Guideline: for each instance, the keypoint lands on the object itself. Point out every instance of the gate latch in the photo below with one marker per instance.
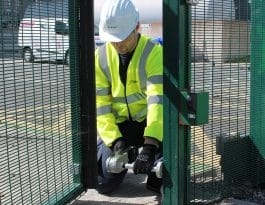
(194, 108)
(192, 2)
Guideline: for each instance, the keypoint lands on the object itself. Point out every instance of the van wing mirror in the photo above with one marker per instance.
(61, 28)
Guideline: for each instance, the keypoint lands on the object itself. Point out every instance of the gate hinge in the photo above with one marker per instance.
(192, 2)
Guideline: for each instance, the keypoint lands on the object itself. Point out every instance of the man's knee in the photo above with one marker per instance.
(107, 182)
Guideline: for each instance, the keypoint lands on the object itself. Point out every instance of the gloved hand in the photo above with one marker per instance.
(119, 146)
(145, 159)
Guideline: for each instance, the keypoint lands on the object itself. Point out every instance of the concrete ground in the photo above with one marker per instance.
(132, 192)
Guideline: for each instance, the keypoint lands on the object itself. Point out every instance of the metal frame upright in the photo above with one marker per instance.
(176, 81)
(81, 23)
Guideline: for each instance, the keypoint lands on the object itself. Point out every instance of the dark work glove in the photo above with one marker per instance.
(118, 146)
(145, 159)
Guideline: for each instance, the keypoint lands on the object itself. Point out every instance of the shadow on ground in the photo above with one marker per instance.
(131, 192)
(106, 203)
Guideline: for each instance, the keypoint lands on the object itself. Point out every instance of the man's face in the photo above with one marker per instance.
(127, 45)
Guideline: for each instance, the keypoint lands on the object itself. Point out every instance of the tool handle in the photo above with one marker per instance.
(130, 166)
(157, 168)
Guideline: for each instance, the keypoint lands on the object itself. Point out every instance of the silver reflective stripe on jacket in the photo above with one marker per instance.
(103, 110)
(142, 72)
(157, 79)
(103, 61)
(102, 91)
(155, 99)
(130, 98)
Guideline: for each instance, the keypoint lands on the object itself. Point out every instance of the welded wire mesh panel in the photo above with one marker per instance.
(37, 107)
(221, 48)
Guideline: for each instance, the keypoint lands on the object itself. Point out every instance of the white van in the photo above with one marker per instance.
(43, 32)
(45, 39)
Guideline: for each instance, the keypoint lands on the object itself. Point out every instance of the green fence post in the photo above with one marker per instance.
(74, 65)
(88, 95)
(176, 79)
(257, 117)
(258, 75)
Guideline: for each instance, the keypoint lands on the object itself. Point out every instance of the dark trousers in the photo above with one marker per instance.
(133, 136)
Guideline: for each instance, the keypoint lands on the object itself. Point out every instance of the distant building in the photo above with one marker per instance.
(222, 9)
(216, 25)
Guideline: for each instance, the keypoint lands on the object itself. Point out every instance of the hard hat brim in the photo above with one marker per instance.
(105, 36)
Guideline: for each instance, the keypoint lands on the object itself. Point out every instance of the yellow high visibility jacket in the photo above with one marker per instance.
(141, 97)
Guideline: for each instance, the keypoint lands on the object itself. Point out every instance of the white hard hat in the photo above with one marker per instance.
(117, 20)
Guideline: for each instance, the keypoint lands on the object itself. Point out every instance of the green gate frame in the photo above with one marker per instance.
(257, 114)
(82, 68)
(175, 80)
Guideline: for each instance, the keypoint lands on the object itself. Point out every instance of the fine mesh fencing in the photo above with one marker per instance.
(225, 156)
(39, 144)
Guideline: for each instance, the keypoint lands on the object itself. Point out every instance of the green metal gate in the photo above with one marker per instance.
(42, 137)
(208, 61)
(227, 154)
(216, 47)
(220, 65)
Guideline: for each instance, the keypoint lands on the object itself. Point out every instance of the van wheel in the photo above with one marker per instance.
(28, 55)
(67, 58)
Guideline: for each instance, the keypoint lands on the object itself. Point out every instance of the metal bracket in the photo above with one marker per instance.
(193, 2)
(194, 108)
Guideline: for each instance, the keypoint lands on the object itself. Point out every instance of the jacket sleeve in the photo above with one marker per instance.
(107, 128)
(154, 69)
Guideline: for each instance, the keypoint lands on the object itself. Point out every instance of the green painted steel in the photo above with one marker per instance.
(227, 153)
(194, 108)
(74, 65)
(175, 152)
(39, 105)
(257, 126)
